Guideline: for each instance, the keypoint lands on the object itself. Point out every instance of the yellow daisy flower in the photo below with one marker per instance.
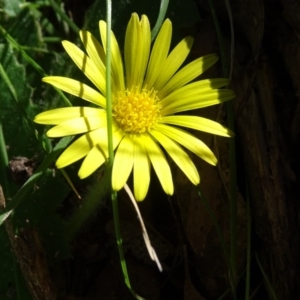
(146, 99)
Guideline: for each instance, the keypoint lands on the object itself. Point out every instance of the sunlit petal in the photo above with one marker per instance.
(188, 141)
(159, 54)
(191, 102)
(187, 74)
(174, 61)
(123, 162)
(59, 115)
(137, 49)
(200, 87)
(86, 65)
(141, 169)
(179, 156)
(198, 123)
(78, 125)
(159, 163)
(94, 50)
(94, 159)
(195, 95)
(76, 88)
(80, 148)
(99, 153)
(116, 59)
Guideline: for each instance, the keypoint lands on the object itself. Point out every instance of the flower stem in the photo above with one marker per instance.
(161, 16)
(108, 85)
(114, 197)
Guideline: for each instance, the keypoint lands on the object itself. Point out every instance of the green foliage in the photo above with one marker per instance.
(39, 210)
(18, 133)
(11, 7)
(25, 28)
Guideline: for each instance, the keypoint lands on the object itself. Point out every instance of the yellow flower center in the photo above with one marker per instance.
(136, 111)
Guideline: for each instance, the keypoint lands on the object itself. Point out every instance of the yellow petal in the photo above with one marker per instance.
(123, 162)
(194, 88)
(159, 163)
(116, 59)
(197, 123)
(196, 95)
(76, 88)
(141, 169)
(191, 102)
(137, 49)
(78, 125)
(159, 54)
(99, 153)
(86, 65)
(179, 156)
(96, 53)
(94, 50)
(59, 115)
(94, 159)
(188, 141)
(80, 148)
(187, 74)
(173, 62)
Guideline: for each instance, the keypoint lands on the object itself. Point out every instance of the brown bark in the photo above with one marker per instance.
(266, 80)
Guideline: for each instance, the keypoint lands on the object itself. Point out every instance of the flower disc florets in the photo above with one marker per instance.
(136, 111)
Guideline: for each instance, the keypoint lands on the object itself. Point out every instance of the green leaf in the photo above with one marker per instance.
(11, 7)
(25, 29)
(15, 105)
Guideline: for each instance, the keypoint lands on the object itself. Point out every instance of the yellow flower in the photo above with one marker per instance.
(145, 100)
